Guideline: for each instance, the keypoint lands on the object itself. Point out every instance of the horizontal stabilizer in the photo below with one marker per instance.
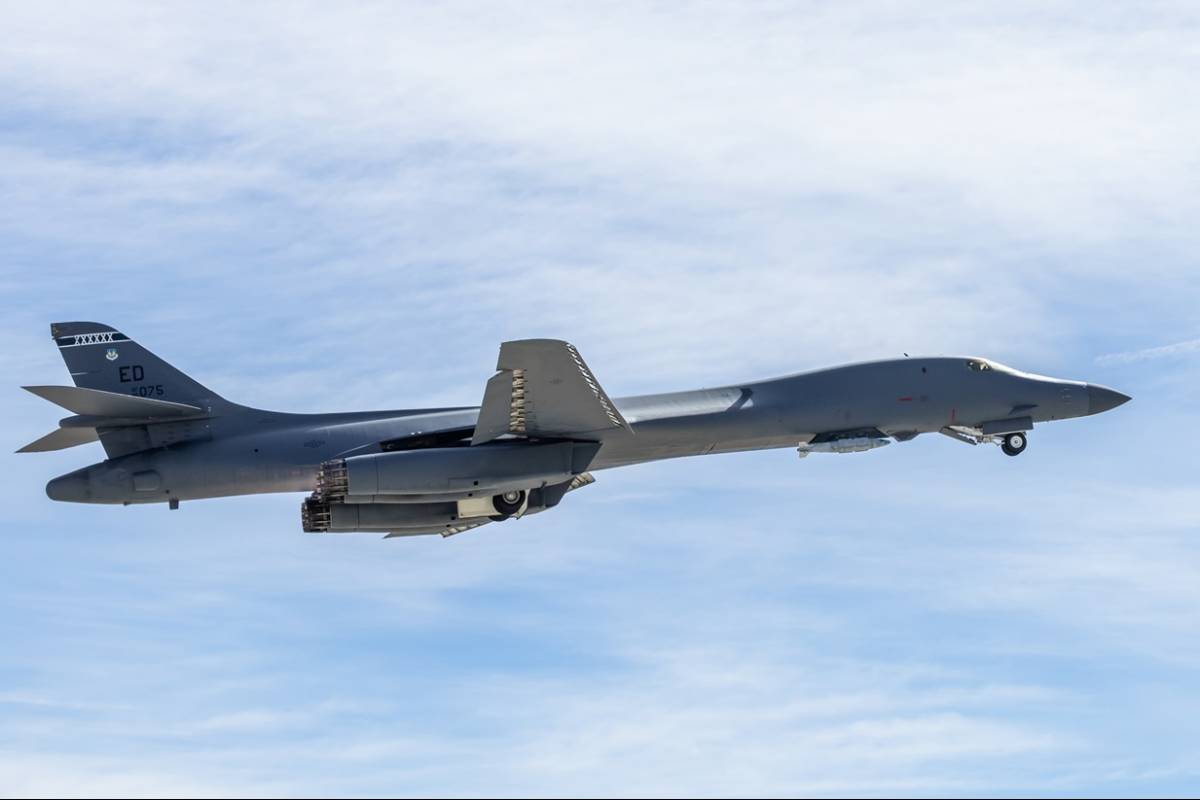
(97, 403)
(61, 439)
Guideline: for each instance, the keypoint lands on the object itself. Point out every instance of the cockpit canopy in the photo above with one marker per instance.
(984, 365)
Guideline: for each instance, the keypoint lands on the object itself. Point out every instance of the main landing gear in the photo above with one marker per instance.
(508, 503)
(1013, 444)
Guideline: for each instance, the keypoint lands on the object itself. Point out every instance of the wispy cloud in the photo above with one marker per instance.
(1151, 353)
(926, 193)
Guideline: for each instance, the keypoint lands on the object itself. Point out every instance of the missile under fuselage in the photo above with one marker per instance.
(855, 444)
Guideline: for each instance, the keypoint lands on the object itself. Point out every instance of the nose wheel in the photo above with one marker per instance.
(1014, 444)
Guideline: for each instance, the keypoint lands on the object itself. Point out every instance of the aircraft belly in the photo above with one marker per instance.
(680, 437)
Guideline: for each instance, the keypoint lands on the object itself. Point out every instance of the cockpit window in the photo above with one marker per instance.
(979, 366)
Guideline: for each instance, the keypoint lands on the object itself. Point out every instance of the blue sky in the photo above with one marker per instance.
(310, 209)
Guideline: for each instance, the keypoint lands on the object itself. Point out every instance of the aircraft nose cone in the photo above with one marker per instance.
(1101, 398)
(71, 488)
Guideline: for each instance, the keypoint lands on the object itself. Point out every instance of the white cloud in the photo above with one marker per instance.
(870, 181)
(1048, 125)
(712, 721)
(1151, 353)
(26, 774)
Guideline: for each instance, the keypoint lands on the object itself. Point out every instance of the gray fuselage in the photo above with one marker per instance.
(247, 451)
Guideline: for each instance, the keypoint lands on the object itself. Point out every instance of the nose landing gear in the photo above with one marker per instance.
(1014, 444)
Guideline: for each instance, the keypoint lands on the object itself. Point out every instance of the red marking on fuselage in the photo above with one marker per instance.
(903, 399)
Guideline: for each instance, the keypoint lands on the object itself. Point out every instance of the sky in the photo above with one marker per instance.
(319, 207)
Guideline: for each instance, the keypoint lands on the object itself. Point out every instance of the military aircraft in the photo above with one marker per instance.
(544, 425)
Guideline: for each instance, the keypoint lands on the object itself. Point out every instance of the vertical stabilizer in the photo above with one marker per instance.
(100, 357)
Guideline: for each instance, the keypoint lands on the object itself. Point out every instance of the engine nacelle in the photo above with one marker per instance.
(322, 515)
(455, 472)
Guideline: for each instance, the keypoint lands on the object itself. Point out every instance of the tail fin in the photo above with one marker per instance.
(99, 357)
